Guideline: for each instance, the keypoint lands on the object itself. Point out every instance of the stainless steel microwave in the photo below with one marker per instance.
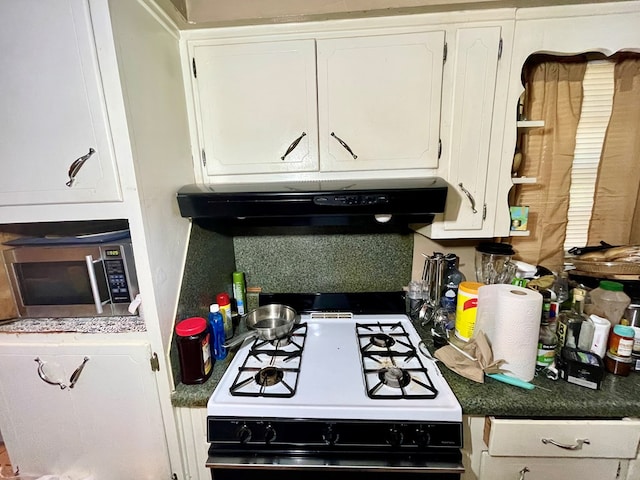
(88, 280)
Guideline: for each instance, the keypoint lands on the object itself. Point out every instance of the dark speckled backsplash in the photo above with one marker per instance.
(325, 263)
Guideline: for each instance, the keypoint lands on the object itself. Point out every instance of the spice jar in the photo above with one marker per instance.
(194, 351)
(618, 365)
(621, 341)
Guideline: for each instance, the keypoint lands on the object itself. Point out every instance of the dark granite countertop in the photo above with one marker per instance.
(618, 397)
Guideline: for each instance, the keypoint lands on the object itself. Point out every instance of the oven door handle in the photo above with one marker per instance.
(93, 281)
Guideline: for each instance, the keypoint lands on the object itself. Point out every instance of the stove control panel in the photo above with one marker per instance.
(232, 433)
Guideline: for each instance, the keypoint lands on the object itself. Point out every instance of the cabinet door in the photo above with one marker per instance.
(108, 425)
(540, 468)
(379, 101)
(52, 110)
(256, 104)
(37, 418)
(474, 82)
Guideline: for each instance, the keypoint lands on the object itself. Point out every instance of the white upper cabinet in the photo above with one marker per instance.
(55, 145)
(473, 111)
(320, 103)
(256, 105)
(379, 101)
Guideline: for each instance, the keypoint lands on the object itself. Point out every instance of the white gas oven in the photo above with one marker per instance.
(348, 394)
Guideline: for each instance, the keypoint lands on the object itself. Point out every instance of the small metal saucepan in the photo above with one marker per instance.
(268, 322)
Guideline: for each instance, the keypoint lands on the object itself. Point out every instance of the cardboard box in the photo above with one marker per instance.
(519, 218)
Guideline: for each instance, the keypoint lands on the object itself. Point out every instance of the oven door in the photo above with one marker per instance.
(446, 465)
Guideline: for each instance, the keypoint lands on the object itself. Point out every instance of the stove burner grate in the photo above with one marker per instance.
(271, 369)
(391, 365)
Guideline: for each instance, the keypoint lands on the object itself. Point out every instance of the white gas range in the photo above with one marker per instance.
(346, 390)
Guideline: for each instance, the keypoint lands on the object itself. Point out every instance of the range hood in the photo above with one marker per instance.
(359, 205)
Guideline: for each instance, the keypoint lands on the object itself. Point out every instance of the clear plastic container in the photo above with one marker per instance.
(608, 300)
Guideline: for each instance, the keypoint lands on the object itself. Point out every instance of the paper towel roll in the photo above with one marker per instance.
(510, 318)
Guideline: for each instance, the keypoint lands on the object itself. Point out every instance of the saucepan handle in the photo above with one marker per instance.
(238, 339)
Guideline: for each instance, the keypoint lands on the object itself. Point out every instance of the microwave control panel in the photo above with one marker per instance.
(116, 275)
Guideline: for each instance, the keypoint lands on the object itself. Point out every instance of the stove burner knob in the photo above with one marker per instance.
(330, 436)
(395, 437)
(244, 434)
(422, 438)
(269, 434)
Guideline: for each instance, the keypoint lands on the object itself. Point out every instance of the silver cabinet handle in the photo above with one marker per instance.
(346, 147)
(470, 197)
(76, 373)
(43, 375)
(93, 281)
(75, 167)
(577, 446)
(293, 146)
(522, 473)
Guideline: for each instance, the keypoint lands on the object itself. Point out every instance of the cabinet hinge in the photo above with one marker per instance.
(484, 212)
(619, 468)
(500, 49)
(204, 158)
(193, 67)
(439, 148)
(444, 54)
(155, 363)
(174, 477)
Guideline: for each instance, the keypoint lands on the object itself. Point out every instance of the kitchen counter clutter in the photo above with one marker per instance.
(616, 399)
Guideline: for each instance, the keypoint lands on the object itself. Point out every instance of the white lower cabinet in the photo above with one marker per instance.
(532, 468)
(81, 408)
(512, 449)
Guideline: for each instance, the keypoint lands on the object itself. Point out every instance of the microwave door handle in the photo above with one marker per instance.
(94, 283)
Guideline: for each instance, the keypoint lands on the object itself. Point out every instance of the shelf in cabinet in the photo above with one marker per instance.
(522, 180)
(519, 233)
(529, 123)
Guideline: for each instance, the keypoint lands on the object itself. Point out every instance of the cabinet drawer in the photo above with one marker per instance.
(528, 468)
(587, 438)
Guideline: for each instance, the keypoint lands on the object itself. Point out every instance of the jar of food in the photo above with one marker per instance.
(618, 365)
(194, 350)
(608, 300)
(621, 341)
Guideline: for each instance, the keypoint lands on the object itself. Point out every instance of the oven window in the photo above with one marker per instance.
(58, 283)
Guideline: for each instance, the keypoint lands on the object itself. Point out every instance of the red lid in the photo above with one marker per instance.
(222, 298)
(191, 326)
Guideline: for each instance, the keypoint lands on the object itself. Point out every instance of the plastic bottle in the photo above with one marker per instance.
(547, 344)
(217, 328)
(608, 300)
(466, 310)
(194, 351)
(452, 279)
(240, 292)
(225, 309)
